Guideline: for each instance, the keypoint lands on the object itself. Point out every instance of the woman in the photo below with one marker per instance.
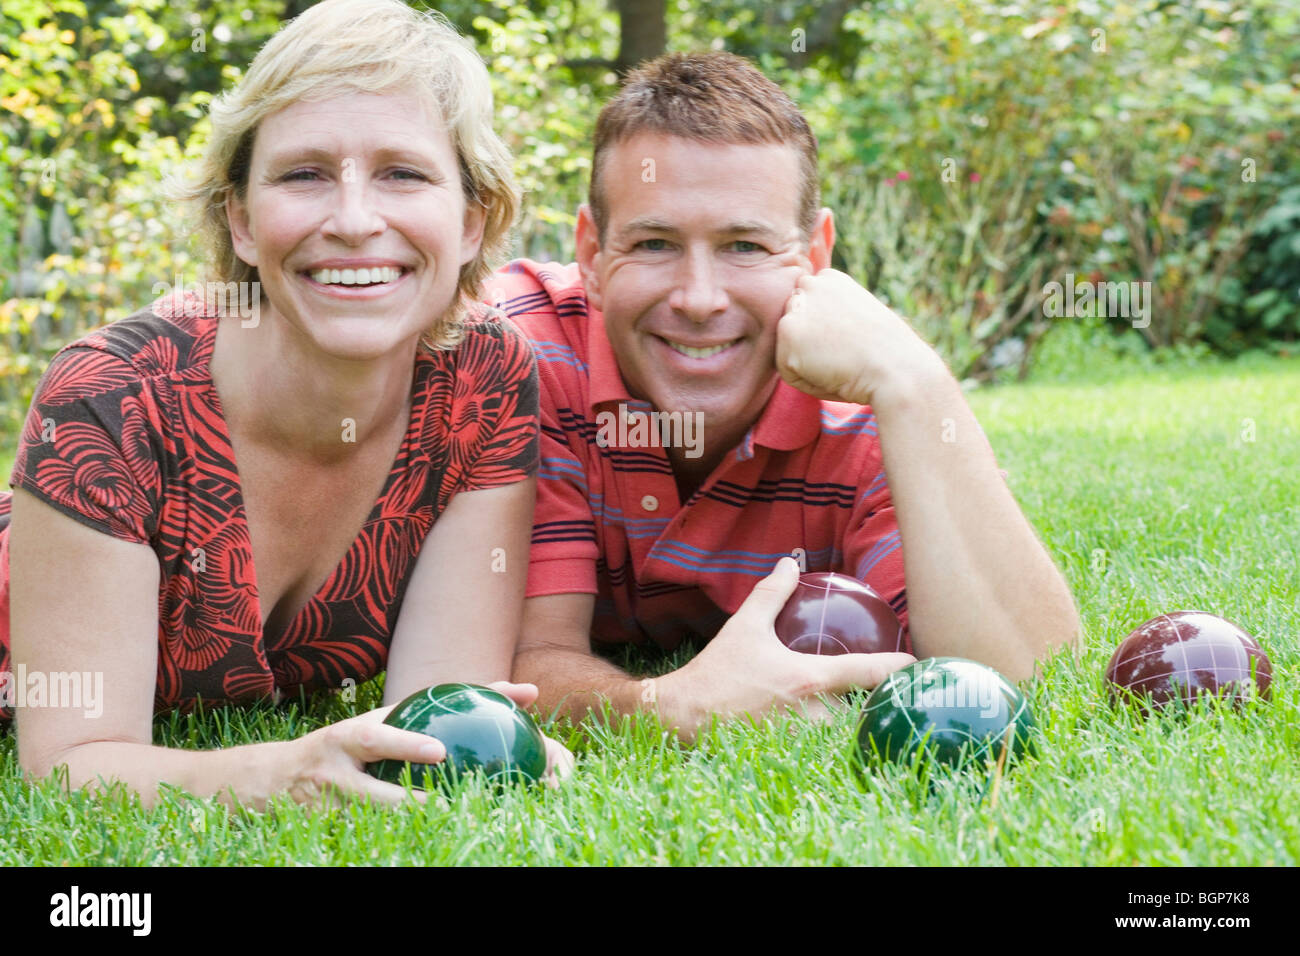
(227, 508)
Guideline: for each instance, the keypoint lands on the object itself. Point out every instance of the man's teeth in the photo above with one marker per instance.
(356, 276)
(699, 353)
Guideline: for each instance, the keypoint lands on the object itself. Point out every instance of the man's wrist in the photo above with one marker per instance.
(674, 701)
(910, 385)
(649, 694)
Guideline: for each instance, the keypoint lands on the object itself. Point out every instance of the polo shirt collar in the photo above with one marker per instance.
(606, 381)
(790, 419)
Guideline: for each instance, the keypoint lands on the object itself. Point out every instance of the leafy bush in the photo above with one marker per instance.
(1264, 303)
(93, 115)
(977, 151)
(973, 150)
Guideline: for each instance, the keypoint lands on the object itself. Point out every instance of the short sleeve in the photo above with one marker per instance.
(564, 553)
(564, 550)
(495, 420)
(89, 445)
(873, 551)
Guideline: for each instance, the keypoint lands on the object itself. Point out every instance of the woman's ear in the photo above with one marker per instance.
(471, 240)
(241, 230)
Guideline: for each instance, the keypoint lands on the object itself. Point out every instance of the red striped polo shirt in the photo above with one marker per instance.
(807, 480)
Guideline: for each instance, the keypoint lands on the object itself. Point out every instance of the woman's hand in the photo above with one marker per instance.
(331, 762)
(559, 760)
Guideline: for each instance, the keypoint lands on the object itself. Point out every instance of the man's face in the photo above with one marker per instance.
(701, 253)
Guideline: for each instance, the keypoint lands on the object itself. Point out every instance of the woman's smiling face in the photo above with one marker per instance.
(356, 220)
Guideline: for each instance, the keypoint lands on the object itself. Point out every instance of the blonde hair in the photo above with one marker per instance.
(368, 46)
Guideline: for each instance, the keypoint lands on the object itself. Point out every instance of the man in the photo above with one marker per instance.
(702, 315)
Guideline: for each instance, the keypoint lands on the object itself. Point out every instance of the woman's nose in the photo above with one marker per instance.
(355, 216)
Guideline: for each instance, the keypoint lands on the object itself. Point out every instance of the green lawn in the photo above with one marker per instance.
(1176, 489)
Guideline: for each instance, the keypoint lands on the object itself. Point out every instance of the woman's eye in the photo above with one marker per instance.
(299, 176)
(408, 174)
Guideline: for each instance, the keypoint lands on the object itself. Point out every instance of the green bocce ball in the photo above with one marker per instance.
(483, 730)
(958, 711)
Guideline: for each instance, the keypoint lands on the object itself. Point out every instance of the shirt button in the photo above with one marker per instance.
(650, 503)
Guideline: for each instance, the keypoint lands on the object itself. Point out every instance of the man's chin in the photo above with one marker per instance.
(711, 416)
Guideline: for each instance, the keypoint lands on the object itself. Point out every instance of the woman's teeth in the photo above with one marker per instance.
(699, 353)
(356, 276)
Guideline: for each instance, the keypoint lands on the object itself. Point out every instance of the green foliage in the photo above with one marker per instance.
(1264, 303)
(90, 127)
(546, 114)
(973, 152)
(1089, 350)
(978, 151)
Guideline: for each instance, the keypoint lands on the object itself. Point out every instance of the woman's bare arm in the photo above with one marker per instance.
(461, 615)
(463, 609)
(84, 601)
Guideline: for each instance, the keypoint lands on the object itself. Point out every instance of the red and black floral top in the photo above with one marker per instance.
(126, 435)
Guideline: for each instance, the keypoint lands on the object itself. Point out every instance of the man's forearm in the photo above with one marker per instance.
(575, 683)
(979, 582)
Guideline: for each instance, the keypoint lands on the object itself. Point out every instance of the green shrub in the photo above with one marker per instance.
(973, 151)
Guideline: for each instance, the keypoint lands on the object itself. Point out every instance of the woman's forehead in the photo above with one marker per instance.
(398, 122)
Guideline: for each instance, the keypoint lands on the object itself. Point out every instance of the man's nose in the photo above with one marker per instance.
(355, 216)
(700, 293)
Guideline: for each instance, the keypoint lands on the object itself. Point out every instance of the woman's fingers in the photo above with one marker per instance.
(332, 768)
(365, 787)
(559, 763)
(522, 694)
(367, 740)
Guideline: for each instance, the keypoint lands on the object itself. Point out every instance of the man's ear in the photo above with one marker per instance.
(241, 233)
(822, 241)
(587, 241)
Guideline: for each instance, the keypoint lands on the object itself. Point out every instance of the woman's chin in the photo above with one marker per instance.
(364, 339)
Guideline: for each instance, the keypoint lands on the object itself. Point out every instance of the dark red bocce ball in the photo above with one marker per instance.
(837, 614)
(1179, 656)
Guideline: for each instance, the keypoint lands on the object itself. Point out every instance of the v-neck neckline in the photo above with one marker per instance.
(408, 453)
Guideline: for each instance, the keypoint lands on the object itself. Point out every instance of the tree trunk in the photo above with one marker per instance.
(294, 7)
(820, 33)
(642, 32)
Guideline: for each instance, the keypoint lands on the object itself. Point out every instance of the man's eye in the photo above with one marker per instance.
(653, 245)
(744, 245)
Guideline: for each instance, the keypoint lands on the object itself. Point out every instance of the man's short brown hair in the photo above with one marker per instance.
(711, 97)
